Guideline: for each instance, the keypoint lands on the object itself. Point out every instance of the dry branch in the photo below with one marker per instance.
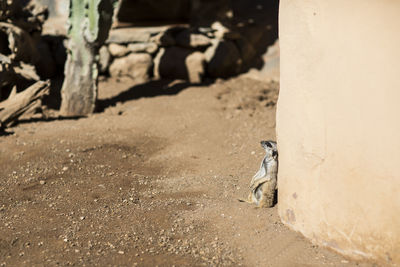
(19, 103)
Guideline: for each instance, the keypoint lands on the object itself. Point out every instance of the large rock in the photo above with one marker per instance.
(270, 68)
(179, 63)
(150, 48)
(223, 59)
(188, 39)
(104, 59)
(134, 34)
(117, 50)
(165, 38)
(248, 53)
(135, 65)
(171, 63)
(224, 33)
(219, 30)
(157, 60)
(195, 64)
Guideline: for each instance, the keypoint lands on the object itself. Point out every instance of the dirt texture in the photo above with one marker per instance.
(152, 179)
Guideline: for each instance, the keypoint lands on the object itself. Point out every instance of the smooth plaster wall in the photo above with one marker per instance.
(338, 124)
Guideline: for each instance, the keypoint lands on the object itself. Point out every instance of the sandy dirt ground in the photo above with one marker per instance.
(151, 179)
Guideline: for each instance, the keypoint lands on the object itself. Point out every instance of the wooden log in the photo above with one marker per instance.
(17, 74)
(18, 103)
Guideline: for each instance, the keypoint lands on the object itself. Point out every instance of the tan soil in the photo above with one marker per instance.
(150, 181)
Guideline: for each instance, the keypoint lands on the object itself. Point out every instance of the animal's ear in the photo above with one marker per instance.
(274, 154)
(263, 144)
(268, 144)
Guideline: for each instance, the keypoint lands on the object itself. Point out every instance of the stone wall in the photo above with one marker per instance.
(219, 39)
(176, 52)
(338, 125)
(180, 39)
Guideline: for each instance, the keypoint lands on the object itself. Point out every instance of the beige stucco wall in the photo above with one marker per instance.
(338, 124)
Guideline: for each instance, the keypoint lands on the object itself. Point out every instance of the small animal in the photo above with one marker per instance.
(264, 182)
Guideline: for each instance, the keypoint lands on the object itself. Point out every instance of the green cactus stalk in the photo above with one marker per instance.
(89, 24)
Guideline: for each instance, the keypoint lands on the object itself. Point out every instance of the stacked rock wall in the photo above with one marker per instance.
(180, 39)
(178, 52)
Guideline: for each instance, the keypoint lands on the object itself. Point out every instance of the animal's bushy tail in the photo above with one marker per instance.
(244, 200)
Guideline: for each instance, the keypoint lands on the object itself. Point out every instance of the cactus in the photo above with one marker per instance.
(89, 24)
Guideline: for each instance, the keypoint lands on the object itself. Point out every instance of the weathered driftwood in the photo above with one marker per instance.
(19, 103)
(18, 57)
(16, 74)
(20, 23)
(9, 71)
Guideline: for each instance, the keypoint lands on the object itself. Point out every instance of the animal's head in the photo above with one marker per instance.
(270, 148)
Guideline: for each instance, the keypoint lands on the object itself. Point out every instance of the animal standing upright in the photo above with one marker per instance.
(264, 182)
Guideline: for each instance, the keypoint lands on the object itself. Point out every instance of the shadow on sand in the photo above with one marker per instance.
(149, 89)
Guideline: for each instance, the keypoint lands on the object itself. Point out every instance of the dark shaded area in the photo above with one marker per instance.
(53, 99)
(161, 12)
(58, 50)
(225, 62)
(173, 63)
(57, 47)
(3, 132)
(48, 119)
(149, 89)
(257, 22)
(195, 12)
(4, 45)
(9, 79)
(164, 11)
(275, 198)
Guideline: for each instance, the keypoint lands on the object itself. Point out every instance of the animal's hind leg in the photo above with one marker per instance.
(268, 192)
(249, 199)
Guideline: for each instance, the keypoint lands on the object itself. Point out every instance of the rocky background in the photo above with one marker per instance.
(193, 40)
(24, 55)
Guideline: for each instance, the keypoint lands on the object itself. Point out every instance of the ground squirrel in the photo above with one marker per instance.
(264, 182)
